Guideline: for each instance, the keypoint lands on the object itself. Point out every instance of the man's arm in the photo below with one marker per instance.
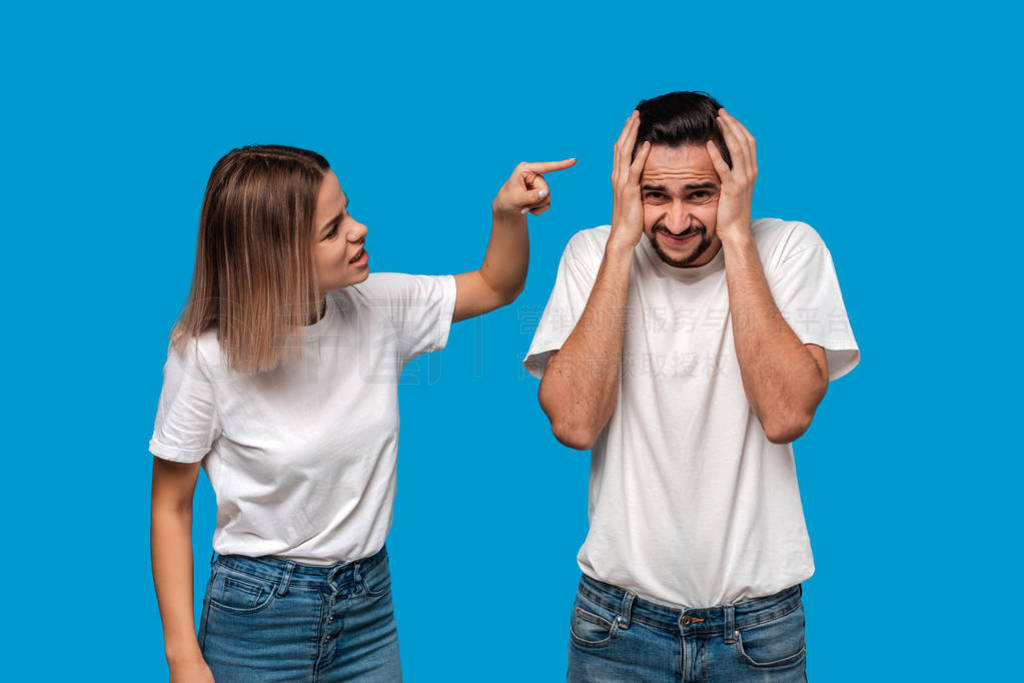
(501, 277)
(783, 378)
(580, 385)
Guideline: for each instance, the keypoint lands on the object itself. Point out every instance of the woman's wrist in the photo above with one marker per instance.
(182, 651)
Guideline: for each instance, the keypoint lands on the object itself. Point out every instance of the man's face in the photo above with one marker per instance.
(680, 190)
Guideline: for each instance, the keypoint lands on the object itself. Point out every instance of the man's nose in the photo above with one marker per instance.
(677, 219)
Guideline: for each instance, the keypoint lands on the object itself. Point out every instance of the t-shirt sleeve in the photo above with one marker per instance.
(419, 306)
(806, 290)
(186, 417)
(577, 271)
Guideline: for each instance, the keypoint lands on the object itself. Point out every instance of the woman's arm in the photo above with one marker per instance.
(503, 273)
(171, 551)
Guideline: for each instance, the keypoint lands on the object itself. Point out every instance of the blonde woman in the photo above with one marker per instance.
(282, 382)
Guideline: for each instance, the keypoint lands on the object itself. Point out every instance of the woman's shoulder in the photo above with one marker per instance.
(202, 353)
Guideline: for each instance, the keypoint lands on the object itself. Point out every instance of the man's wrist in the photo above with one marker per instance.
(619, 249)
(734, 237)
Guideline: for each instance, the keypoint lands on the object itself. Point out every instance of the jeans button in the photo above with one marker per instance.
(686, 620)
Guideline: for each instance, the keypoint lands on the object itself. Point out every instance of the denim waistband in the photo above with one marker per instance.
(335, 577)
(718, 619)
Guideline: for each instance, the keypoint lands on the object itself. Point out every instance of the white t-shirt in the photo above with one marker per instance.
(690, 504)
(303, 458)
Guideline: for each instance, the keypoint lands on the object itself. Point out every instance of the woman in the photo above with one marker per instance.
(281, 381)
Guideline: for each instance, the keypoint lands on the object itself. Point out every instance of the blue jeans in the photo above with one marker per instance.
(269, 619)
(616, 636)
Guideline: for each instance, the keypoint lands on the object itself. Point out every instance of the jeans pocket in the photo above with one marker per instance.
(233, 591)
(592, 626)
(378, 580)
(778, 642)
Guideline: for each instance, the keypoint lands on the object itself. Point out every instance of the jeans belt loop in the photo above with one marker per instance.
(730, 623)
(357, 577)
(286, 579)
(626, 610)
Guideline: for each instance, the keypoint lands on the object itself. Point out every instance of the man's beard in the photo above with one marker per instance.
(702, 246)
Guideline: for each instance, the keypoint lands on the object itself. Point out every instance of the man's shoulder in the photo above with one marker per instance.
(777, 237)
(590, 238)
(587, 245)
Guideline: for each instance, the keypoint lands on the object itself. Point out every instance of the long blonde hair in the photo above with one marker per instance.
(254, 276)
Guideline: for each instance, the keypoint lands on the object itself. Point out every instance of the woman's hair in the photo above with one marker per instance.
(254, 276)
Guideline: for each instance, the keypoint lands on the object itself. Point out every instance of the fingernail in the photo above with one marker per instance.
(543, 193)
(524, 211)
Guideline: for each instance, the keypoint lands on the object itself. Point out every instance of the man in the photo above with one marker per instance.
(688, 346)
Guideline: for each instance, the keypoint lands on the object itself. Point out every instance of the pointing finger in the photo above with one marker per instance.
(548, 166)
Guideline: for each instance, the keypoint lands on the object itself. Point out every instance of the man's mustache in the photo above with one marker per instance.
(660, 227)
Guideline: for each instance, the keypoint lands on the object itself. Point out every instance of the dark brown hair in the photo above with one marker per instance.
(680, 118)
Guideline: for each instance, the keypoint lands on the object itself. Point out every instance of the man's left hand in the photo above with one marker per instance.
(738, 181)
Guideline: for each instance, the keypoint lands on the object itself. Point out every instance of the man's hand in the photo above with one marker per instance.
(526, 189)
(628, 208)
(738, 181)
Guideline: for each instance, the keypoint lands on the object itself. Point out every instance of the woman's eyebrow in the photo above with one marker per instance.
(331, 222)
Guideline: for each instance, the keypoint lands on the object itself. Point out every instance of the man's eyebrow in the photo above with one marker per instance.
(687, 188)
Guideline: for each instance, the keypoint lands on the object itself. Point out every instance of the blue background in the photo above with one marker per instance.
(894, 131)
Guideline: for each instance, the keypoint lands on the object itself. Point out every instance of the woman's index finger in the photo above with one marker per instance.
(548, 166)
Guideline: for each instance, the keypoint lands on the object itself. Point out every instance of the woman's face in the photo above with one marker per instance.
(338, 242)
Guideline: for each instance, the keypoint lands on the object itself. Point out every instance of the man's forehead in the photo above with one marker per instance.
(686, 162)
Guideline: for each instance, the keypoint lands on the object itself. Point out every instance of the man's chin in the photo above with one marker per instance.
(682, 258)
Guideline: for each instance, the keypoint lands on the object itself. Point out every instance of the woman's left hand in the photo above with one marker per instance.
(526, 190)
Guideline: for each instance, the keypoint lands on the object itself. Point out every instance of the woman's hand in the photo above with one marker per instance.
(526, 189)
(628, 209)
(192, 671)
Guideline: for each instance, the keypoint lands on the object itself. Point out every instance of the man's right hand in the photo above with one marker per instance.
(628, 209)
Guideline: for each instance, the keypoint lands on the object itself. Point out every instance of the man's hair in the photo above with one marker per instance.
(680, 118)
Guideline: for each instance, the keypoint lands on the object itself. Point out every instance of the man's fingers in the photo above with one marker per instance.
(751, 143)
(721, 167)
(548, 166)
(624, 148)
(634, 117)
(737, 144)
(637, 167)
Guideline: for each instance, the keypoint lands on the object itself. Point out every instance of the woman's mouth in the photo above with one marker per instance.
(361, 258)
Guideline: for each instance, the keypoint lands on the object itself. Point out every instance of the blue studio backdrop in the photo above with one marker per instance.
(892, 129)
